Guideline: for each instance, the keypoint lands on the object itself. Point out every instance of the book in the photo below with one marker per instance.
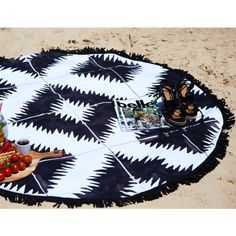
(144, 113)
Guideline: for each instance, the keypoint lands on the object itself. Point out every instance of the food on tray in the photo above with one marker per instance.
(11, 162)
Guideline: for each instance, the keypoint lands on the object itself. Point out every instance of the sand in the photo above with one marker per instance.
(208, 54)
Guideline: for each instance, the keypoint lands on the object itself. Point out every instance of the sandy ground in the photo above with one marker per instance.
(208, 54)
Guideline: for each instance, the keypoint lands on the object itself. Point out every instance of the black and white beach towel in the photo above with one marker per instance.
(64, 100)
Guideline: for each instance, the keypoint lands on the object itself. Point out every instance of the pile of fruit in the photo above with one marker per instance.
(12, 162)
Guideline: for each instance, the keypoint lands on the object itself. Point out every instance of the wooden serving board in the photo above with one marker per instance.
(36, 157)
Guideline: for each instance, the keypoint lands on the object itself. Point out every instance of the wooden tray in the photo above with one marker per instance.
(36, 157)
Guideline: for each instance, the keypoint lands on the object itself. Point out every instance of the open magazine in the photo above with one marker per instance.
(139, 114)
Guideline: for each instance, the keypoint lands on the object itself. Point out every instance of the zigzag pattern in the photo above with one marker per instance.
(40, 61)
(101, 119)
(183, 138)
(151, 169)
(43, 60)
(109, 67)
(27, 185)
(50, 169)
(17, 64)
(6, 88)
(108, 182)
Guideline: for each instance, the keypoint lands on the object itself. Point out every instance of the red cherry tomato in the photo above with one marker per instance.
(7, 161)
(6, 146)
(20, 155)
(2, 176)
(14, 168)
(27, 159)
(21, 165)
(14, 158)
(7, 171)
(8, 149)
(2, 166)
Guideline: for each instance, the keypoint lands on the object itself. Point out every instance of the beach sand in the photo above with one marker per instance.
(207, 54)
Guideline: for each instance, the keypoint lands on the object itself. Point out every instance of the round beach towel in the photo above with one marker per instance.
(66, 100)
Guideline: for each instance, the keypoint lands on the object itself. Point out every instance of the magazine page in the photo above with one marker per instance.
(139, 114)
